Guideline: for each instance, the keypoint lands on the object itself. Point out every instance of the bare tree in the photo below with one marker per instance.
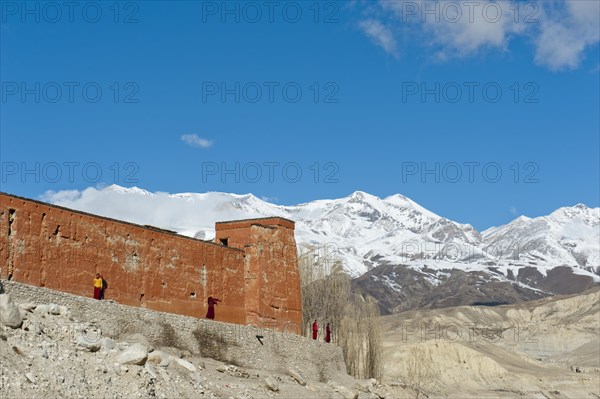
(374, 365)
(420, 372)
(328, 298)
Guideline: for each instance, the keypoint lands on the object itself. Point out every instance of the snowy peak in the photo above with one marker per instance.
(124, 190)
(522, 218)
(363, 230)
(564, 215)
(579, 212)
(362, 196)
(569, 236)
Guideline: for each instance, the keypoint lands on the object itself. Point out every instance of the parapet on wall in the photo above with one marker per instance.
(61, 249)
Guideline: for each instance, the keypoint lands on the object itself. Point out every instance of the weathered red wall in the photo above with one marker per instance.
(62, 249)
(271, 269)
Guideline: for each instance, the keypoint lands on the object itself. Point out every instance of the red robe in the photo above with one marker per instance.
(315, 330)
(98, 288)
(327, 334)
(211, 307)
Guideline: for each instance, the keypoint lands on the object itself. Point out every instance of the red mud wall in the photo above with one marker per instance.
(271, 270)
(61, 249)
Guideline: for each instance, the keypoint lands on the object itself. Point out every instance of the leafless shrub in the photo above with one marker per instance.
(354, 319)
(420, 372)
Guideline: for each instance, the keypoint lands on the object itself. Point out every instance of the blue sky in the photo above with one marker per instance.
(300, 101)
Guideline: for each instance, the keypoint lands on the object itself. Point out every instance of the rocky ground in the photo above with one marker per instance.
(46, 352)
(548, 348)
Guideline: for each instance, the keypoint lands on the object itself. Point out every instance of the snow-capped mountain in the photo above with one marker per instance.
(364, 231)
(569, 236)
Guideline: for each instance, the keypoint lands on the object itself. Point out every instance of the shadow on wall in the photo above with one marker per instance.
(212, 344)
(168, 336)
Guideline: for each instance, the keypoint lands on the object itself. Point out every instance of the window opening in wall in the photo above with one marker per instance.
(11, 219)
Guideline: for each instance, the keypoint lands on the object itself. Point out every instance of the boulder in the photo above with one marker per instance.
(221, 368)
(10, 315)
(23, 313)
(27, 306)
(186, 365)
(159, 357)
(84, 343)
(271, 384)
(135, 354)
(150, 370)
(297, 376)
(138, 338)
(107, 343)
(53, 309)
(31, 378)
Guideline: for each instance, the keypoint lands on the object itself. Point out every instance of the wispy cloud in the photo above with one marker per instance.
(560, 32)
(512, 210)
(61, 196)
(196, 141)
(381, 35)
(566, 32)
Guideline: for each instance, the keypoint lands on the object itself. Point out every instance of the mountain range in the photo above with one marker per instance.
(393, 247)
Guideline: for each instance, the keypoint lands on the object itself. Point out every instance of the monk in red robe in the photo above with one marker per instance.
(98, 286)
(327, 333)
(211, 307)
(315, 330)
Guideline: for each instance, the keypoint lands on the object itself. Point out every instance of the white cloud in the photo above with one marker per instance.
(458, 28)
(512, 210)
(195, 141)
(186, 213)
(60, 196)
(560, 32)
(381, 35)
(566, 32)
(136, 206)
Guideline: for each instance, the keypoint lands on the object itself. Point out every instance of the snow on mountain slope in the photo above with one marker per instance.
(362, 230)
(569, 236)
(358, 228)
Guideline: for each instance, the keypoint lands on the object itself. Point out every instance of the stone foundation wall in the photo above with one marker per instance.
(226, 342)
